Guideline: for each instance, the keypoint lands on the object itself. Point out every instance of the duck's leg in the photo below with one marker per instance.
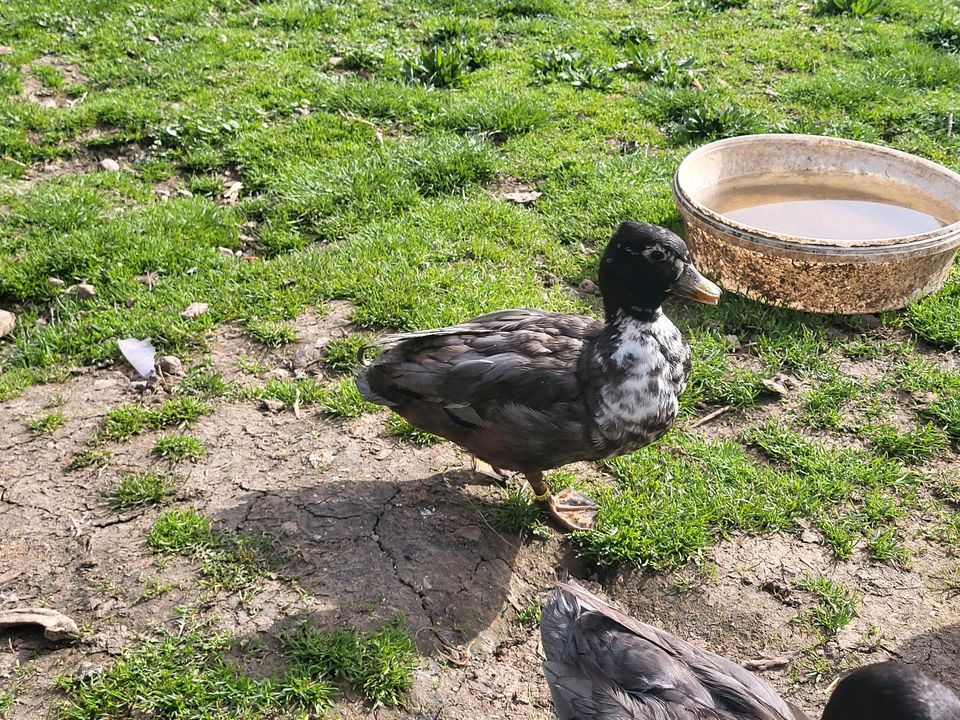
(572, 509)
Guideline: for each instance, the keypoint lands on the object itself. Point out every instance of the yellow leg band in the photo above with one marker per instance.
(545, 496)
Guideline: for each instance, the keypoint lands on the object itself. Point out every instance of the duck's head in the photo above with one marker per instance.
(891, 691)
(642, 263)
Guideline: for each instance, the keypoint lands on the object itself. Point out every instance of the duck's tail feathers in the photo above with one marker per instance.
(367, 393)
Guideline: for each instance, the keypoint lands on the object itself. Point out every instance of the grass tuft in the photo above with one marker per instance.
(227, 559)
(271, 334)
(342, 354)
(569, 66)
(87, 458)
(46, 424)
(342, 399)
(380, 664)
(857, 8)
(126, 421)
(520, 514)
(399, 427)
(177, 448)
(913, 446)
(139, 489)
(188, 675)
(836, 604)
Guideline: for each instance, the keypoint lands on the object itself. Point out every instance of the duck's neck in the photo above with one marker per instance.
(622, 317)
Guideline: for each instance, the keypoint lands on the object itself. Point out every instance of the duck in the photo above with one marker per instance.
(527, 390)
(601, 664)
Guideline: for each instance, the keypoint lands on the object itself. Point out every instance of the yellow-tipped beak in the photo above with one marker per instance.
(691, 284)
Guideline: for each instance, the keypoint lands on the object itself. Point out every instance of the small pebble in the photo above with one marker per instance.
(271, 405)
(55, 281)
(225, 251)
(110, 165)
(170, 365)
(277, 374)
(588, 287)
(774, 387)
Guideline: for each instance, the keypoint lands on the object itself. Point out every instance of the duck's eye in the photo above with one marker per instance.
(657, 255)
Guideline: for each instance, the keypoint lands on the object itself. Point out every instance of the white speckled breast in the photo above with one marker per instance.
(648, 374)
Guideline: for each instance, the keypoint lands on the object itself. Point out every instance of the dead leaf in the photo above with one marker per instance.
(523, 198)
(232, 192)
(763, 664)
(149, 279)
(56, 625)
(774, 387)
(194, 309)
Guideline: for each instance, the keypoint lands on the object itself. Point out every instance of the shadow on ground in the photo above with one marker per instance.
(367, 551)
(936, 652)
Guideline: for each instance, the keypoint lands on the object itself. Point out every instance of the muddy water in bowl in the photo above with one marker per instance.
(830, 207)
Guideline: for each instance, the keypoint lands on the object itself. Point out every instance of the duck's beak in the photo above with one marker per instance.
(691, 284)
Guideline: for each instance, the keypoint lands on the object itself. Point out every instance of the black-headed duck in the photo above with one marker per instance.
(530, 390)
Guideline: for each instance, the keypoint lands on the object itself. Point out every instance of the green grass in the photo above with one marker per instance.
(127, 421)
(341, 354)
(836, 604)
(189, 674)
(519, 514)
(342, 400)
(177, 448)
(46, 424)
(398, 427)
(913, 446)
(226, 559)
(675, 499)
(88, 457)
(380, 665)
(823, 406)
(884, 546)
(139, 489)
(202, 381)
(339, 398)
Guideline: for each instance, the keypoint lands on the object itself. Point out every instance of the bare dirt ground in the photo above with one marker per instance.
(370, 527)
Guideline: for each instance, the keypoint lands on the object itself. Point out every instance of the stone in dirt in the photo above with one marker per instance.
(170, 365)
(277, 374)
(271, 405)
(305, 356)
(8, 321)
(588, 287)
(110, 165)
(194, 309)
(55, 281)
(774, 387)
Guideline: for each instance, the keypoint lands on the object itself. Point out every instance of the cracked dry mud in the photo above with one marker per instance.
(369, 527)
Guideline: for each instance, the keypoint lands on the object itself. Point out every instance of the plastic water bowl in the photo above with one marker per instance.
(850, 264)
